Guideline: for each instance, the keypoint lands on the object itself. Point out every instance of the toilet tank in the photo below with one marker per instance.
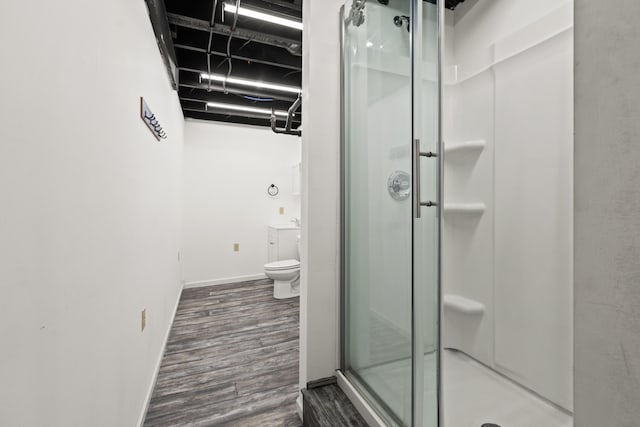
(282, 242)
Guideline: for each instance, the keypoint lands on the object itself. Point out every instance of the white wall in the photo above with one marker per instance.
(319, 314)
(512, 88)
(90, 212)
(607, 220)
(227, 170)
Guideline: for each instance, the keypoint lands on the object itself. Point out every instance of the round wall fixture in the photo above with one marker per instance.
(273, 190)
(399, 185)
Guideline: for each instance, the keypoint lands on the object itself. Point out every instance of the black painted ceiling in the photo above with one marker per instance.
(257, 50)
(205, 43)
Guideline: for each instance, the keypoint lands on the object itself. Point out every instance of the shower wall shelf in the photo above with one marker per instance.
(463, 304)
(465, 147)
(465, 208)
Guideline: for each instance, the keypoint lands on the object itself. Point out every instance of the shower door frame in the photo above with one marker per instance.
(362, 403)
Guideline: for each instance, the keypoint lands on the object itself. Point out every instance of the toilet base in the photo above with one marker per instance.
(283, 289)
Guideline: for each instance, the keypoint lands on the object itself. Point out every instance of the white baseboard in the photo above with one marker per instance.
(147, 400)
(224, 281)
(299, 406)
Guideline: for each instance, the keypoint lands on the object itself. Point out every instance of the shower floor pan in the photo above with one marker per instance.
(473, 394)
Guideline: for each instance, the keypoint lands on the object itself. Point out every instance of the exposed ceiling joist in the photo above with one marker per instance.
(241, 69)
(239, 57)
(292, 46)
(258, 51)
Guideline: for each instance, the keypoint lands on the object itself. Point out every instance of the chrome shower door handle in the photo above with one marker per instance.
(416, 177)
(417, 201)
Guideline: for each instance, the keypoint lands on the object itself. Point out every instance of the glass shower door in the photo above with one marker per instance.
(427, 212)
(390, 233)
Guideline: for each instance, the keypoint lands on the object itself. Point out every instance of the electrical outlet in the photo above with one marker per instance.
(143, 319)
(236, 247)
(281, 211)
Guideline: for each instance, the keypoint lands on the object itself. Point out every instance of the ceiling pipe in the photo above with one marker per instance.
(238, 57)
(226, 113)
(287, 129)
(292, 46)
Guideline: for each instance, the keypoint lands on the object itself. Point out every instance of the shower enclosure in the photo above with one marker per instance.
(457, 291)
(392, 206)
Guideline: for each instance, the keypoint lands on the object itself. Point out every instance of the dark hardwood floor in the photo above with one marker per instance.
(328, 406)
(231, 359)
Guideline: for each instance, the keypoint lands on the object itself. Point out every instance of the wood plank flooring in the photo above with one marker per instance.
(231, 360)
(328, 406)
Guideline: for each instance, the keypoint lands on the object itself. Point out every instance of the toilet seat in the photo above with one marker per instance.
(287, 264)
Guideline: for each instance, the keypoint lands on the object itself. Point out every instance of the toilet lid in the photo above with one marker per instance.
(287, 264)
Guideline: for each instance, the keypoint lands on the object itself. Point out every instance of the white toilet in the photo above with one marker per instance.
(285, 274)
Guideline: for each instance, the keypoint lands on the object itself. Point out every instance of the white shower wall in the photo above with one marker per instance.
(508, 96)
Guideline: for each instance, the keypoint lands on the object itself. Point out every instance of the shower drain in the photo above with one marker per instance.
(489, 425)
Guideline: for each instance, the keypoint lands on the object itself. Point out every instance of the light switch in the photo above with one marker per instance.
(236, 247)
(281, 211)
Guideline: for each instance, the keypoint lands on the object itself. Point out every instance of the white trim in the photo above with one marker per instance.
(363, 407)
(224, 281)
(147, 399)
(299, 406)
